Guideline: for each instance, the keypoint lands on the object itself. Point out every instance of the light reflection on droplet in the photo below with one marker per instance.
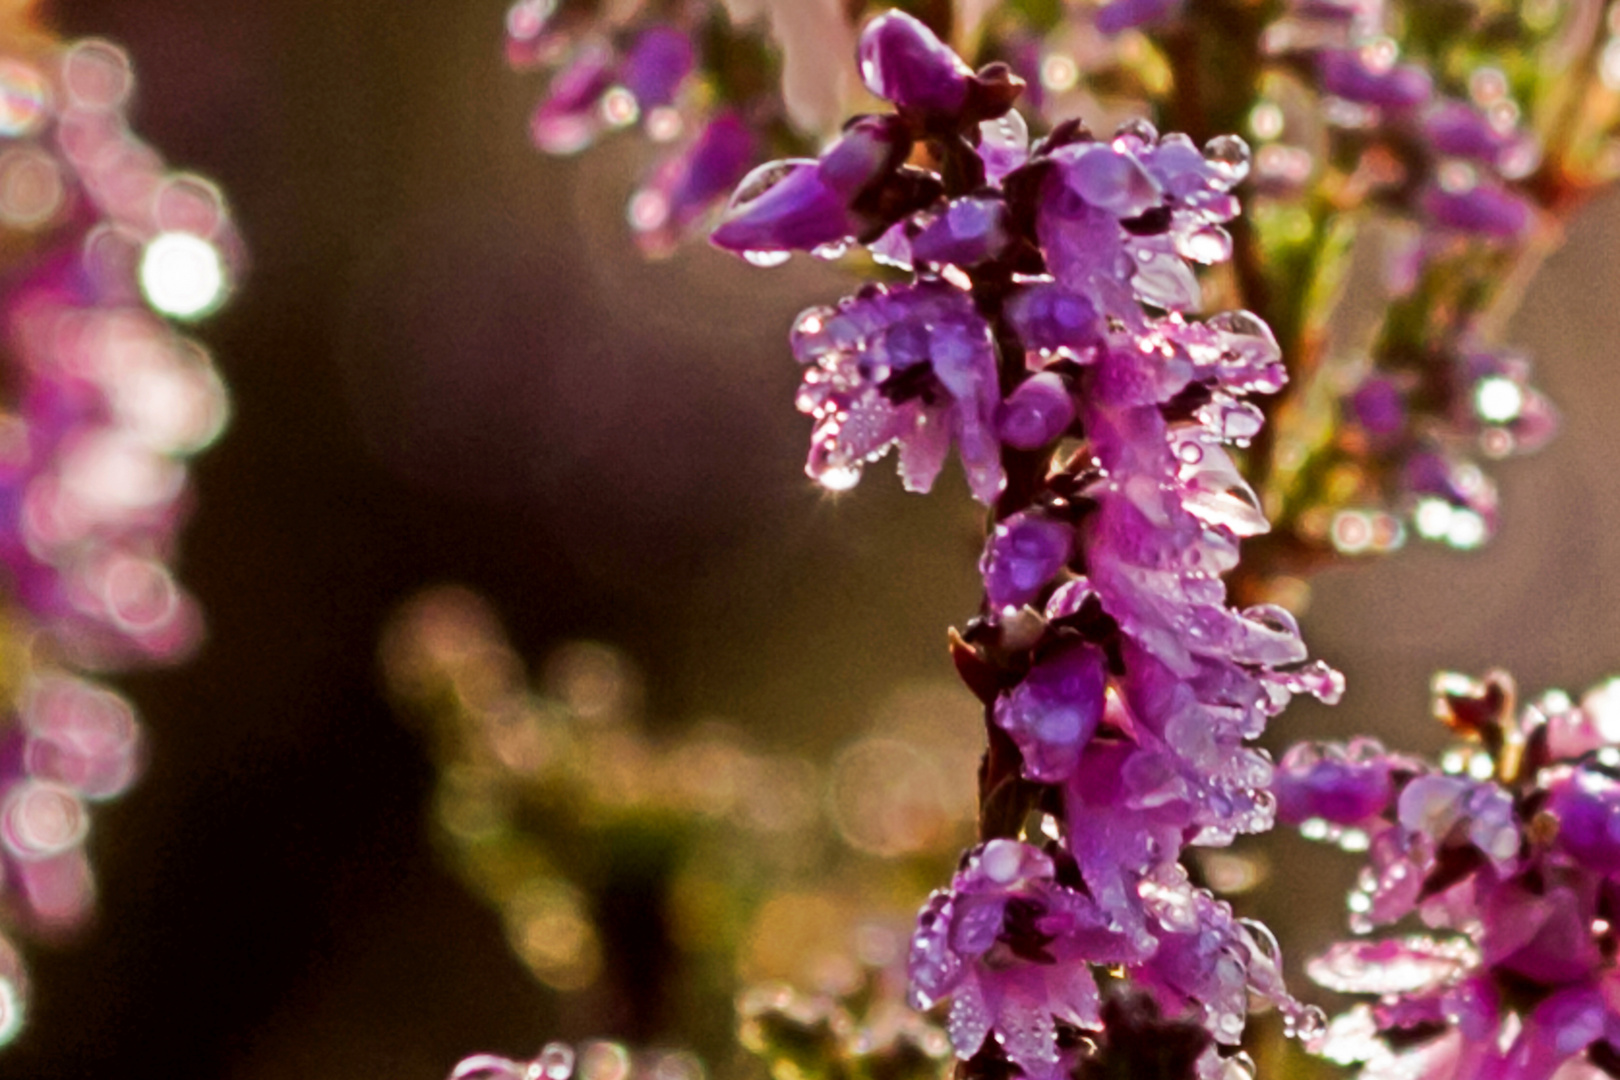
(1467, 530)
(1432, 518)
(664, 124)
(839, 479)
(1266, 120)
(1059, 73)
(39, 819)
(1609, 64)
(619, 108)
(1498, 400)
(767, 259)
(31, 188)
(182, 275)
(592, 679)
(97, 75)
(24, 99)
(604, 1061)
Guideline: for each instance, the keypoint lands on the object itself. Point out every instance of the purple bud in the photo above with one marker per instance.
(1483, 208)
(1023, 554)
(685, 186)
(1051, 319)
(659, 61)
(1379, 407)
(904, 62)
(1457, 129)
(1588, 812)
(868, 149)
(970, 231)
(1053, 713)
(1315, 781)
(1346, 73)
(566, 122)
(1034, 414)
(783, 206)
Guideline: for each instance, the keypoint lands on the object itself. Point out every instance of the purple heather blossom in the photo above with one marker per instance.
(969, 232)
(1517, 872)
(1482, 207)
(1355, 76)
(1137, 690)
(1011, 946)
(911, 366)
(1120, 15)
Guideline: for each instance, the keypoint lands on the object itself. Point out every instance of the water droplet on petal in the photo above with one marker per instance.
(1229, 154)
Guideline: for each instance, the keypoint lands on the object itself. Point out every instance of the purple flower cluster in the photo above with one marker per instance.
(1044, 330)
(1460, 157)
(1432, 422)
(1510, 854)
(640, 70)
(107, 402)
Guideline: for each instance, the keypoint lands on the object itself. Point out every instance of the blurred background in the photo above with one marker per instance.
(449, 364)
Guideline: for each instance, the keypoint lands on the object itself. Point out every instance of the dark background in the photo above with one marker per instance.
(448, 363)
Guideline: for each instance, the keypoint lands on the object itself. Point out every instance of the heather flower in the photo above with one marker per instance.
(909, 366)
(1009, 945)
(108, 401)
(1508, 853)
(685, 187)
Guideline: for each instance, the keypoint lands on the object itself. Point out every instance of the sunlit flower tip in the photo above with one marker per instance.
(902, 61)
(1346, 73)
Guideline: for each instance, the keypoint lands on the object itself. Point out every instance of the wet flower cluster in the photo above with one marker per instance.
(106, 402)
(1507, 852)
(1463, 182)
(1044, 332)
(1452, 141)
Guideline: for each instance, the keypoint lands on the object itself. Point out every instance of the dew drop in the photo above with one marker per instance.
(556, 1062)
(1239, 1066)
(1229, 155)
(767, 259)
